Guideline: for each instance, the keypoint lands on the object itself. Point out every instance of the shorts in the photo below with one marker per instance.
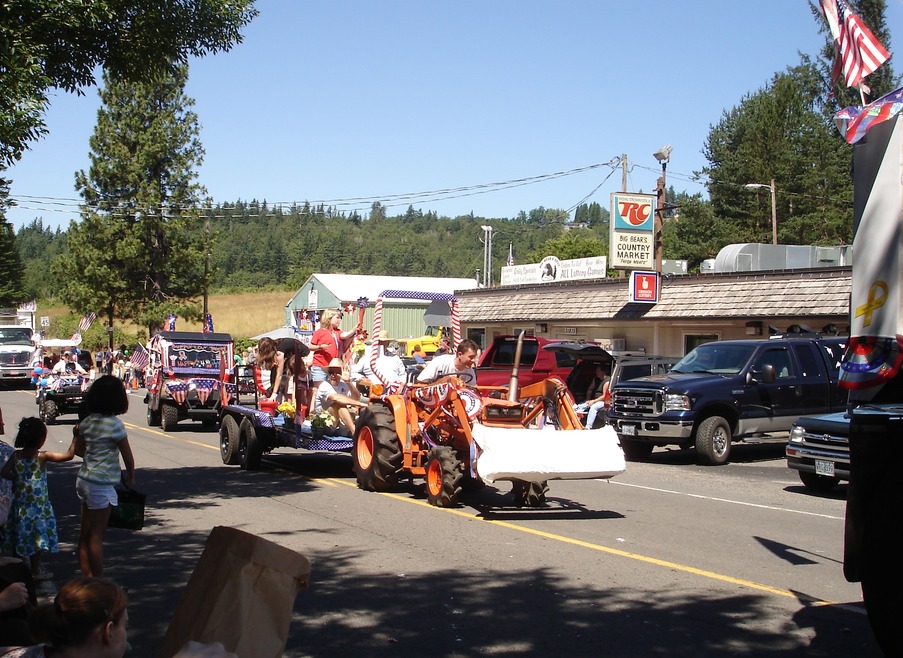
(318, 374)
(96, 496)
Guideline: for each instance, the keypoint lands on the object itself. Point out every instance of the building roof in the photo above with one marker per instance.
(349, 287)
(817, 292)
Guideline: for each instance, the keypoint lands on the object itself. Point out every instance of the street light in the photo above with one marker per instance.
(663, 155)
(774, 206)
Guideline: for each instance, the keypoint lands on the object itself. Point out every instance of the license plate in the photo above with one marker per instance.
(823, 467)
(628, 430)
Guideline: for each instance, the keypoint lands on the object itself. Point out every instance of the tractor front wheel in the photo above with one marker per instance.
(529, 494)
(444, 473)
(377, 451)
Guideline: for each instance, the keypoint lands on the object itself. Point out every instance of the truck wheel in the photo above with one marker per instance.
(249, 450)
(153, 417)
(636, 451)
(169, 417)
(713, 441)
(444, 472)
(529, 494)
(377, 452)
(229, 440)
(49, 412)
(818, 482)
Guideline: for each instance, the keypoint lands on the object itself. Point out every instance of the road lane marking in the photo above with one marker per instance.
(151, 430)
(471, 516)
(712, 575)
(730, 501)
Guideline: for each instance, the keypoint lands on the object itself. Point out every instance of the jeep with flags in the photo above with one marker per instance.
(189, 377)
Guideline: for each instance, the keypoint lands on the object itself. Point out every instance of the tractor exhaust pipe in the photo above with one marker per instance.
(512, 383)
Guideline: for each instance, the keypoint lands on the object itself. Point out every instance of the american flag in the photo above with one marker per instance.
(204, 388)
(510, 261)
(854, 122)
(208, 324)
(227, 392)
(140, 357)
(86, 321)
(178, 390)
(857, 51)
(171, 322)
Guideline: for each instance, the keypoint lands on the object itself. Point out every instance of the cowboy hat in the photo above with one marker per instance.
(383, 336)
(335, 363)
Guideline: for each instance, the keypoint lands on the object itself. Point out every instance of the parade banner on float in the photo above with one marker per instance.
(551, 269)
(632, 244)
(873, 354)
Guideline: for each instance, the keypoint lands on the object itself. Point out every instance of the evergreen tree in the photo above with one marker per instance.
(11, 289)
(138, 252)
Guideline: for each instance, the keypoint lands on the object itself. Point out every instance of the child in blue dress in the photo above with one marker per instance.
(31, 529)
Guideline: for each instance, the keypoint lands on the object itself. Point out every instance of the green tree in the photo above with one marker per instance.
(575, 243)
(60, 43)
(781, 133)
(138, 252)
(11, 289)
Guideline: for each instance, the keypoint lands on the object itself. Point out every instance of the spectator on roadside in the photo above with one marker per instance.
(105, 440)
(459, 364)
(596, 396)
(417, 355)
(444, 347)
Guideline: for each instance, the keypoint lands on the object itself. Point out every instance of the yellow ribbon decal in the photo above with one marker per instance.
(873, 303)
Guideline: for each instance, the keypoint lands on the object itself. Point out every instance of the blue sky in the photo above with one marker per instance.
(346, 102)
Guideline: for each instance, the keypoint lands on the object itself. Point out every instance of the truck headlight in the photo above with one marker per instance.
(675, 402)
(796, 434)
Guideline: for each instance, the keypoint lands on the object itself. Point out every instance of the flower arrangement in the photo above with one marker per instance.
(287, 409)
(322, 420)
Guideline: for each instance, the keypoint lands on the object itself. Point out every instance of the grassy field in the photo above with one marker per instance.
(242, 314)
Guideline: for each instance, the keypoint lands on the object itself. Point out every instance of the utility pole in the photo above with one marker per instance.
(624, 172)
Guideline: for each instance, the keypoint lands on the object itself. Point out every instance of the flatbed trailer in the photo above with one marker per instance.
(247, 433)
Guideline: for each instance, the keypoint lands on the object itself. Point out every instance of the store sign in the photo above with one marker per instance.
(551, 269)
(632, 244)
(644, 287)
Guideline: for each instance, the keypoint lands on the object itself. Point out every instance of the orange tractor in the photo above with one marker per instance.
(457, 436)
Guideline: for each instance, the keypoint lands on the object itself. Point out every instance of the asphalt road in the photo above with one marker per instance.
(668, 558)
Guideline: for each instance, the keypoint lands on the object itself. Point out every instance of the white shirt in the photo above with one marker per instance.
(440, 366)
(388, 364)
(324, 390)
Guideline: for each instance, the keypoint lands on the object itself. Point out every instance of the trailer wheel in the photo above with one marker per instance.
(169, 417)
(377, 452)
(249, 449)
(444, 473)
(229, 440)
(49, 411)
(713, 441)
(636, 450)
(818, 482)
(529, 494)
(154, 417)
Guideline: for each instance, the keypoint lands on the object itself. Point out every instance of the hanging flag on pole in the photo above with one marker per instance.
(86, 321)
(857, 52)
(510, 261)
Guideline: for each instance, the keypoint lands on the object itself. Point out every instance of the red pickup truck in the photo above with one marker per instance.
(536, 364)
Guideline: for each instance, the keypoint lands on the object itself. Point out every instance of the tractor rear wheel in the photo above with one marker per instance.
(228, 440)
(444, 473)
(377, 451)
(529, 494)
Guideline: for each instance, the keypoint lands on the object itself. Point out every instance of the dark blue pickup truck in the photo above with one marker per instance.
(725, 391)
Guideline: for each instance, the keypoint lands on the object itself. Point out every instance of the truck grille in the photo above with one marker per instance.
(825, 441)
(15, 358)
(637, 402)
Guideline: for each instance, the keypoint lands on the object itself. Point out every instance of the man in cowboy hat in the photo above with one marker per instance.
(335, 396)
(388, 364)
